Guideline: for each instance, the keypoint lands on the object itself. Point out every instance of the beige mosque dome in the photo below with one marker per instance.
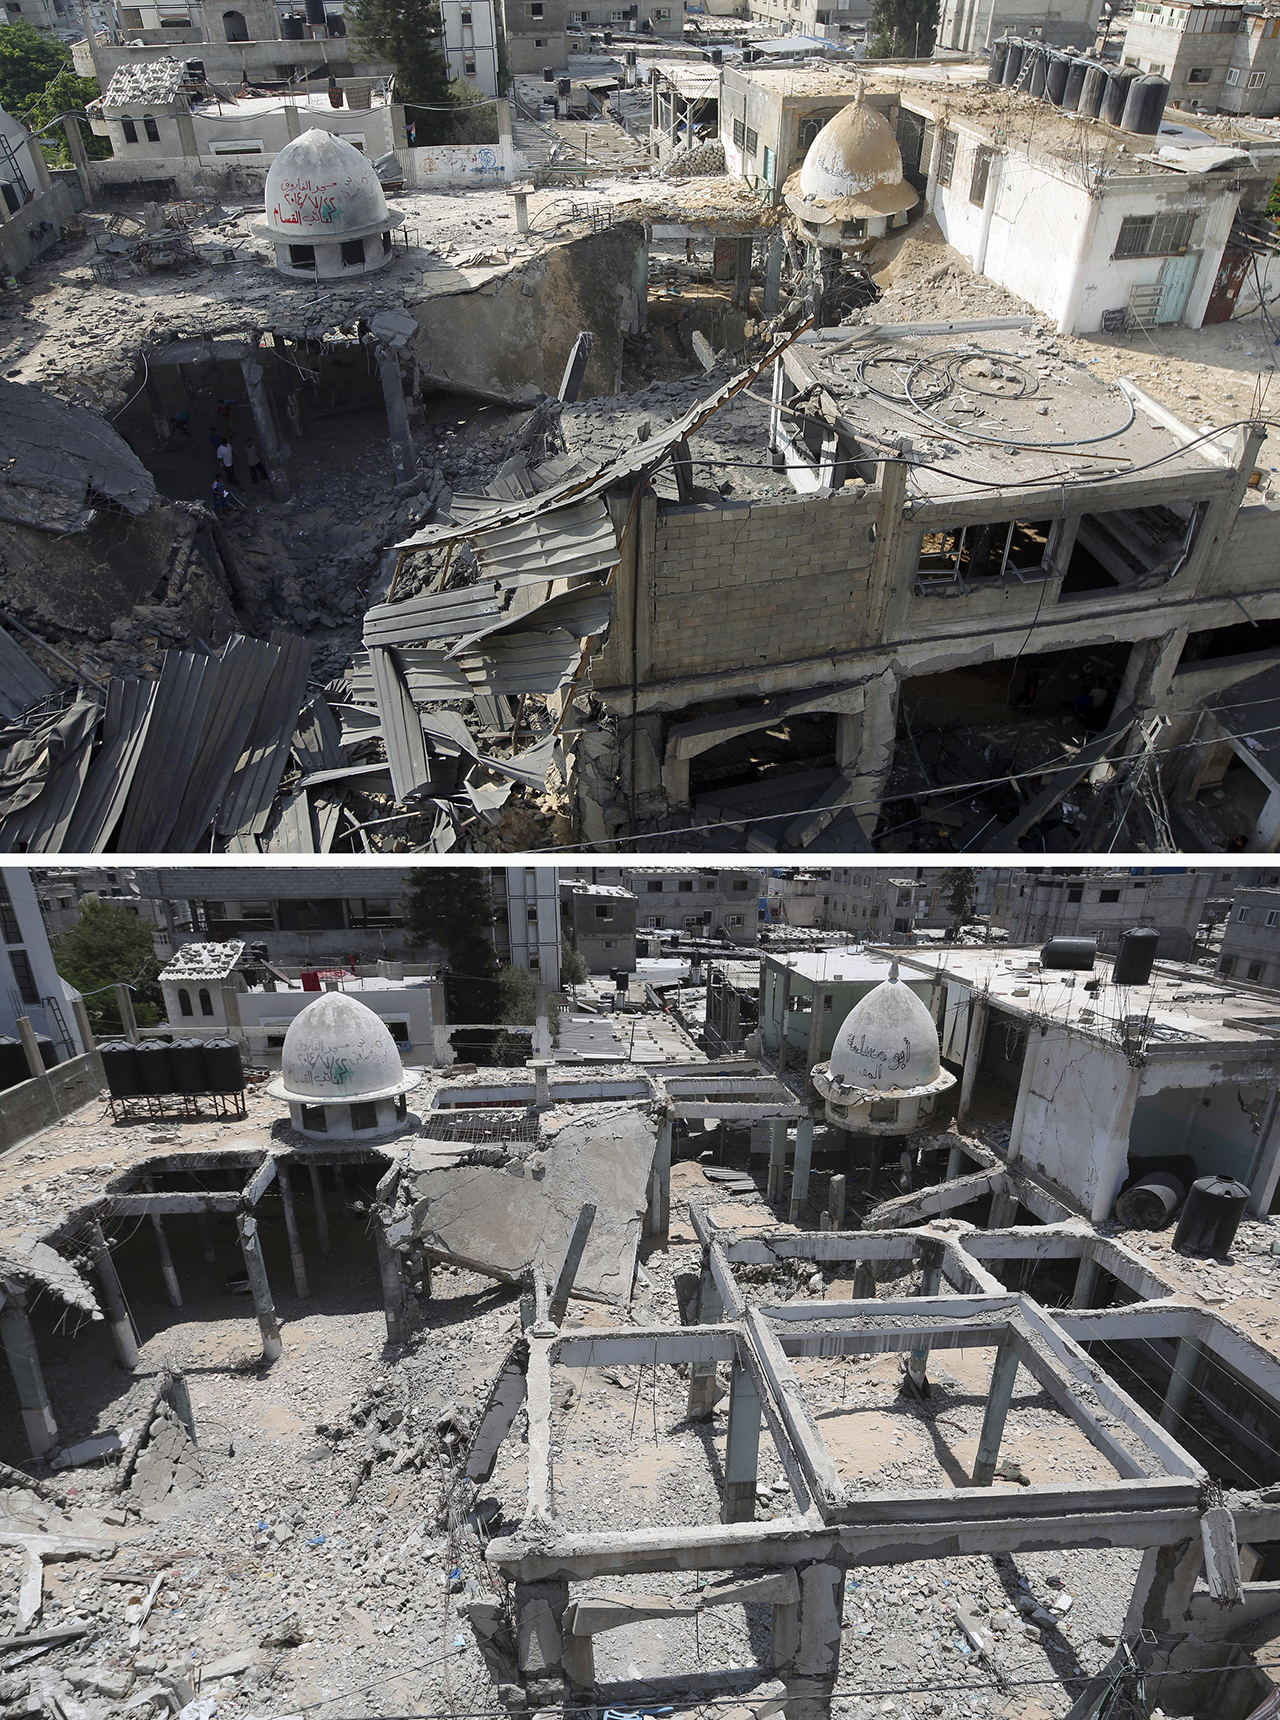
(853, 170)
(338, 1051)
(888, 1044)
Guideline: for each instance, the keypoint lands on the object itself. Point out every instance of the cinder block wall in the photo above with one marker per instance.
(39, 1103)
(775, 580)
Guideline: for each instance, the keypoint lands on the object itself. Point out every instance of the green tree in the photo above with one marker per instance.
(407, 32)
(38, 84)
(110, 946)
(475, 119)
(902, 29)
(573, 968)
(452, 906)
(961, 886)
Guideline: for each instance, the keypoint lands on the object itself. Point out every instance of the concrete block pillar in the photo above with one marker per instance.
(123, 1335)
(393, 1297)
(777, 1160)
(800, 1168)
(124, 1007)
(702, 1375)
(403, 459)
(322, 1217)
(1004, 1210)
(539, 1619)
(930, 1281)
(972, 1052)
(836, 1196)
(522, 210)
(30, 1047)
(660, 1181)
(955, 1162)
(259, 1287)
(999, 1397)
(1186, 1361)
(28, 1378)
(296, 1259)
(1086, 1281)
(864, 1283)
(264, 418)
(83, 1028)
(811, 1678)
(1162, 1591)
(877, 733)
(79, 155)
(773, 277)
(742, 1448)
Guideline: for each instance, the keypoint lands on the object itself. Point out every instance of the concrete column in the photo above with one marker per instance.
(1004, 1211)
(1162, 1592)
(955, 1162)
(999, 1397)
(784, 1638)
(392, 1286)
(128, 1021)
(30, 1047)
(122, 1333)
(777, 1158)
(205, 1232)
(835, 1201)
(166, 1261)
(972, 1052)
(80, 156)
(28, 1378)
(39, 166)
(773, 276)
(930, 1280)
(1186, 1360)
(800, 1168)
(816, 1662)
(988, 212)
(539, 1617)
(256, 1268)
(403, 460)
(1265, 1170)
(296, 1259)
(187, 136)
(1086, 1279)
(864, 1283)
(660, 1181)
(264, 419)
(702, 1375)
(81, 1014)
(877, 1161)
(340, 1188)
(742, 1448)
(522, 210)
(876, 737)
(322, 1217)
(292, 120)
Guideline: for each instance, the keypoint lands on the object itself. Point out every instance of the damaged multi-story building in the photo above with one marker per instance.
(519, 1362)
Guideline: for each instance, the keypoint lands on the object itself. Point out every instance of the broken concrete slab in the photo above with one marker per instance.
(501, 1219)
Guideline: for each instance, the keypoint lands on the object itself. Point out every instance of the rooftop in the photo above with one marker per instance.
(204, 961)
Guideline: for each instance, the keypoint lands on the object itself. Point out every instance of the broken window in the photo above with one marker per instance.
(1108, 895)
(1155, 235)
(1131, 547)
(352, 253)
(946, 157)
(1199, 74)
(1003, 549)
(809, 129)
(234, 27)
(364, 1116)
(313, 1118)
(302, 256)
(1253, 971)
(981, 175)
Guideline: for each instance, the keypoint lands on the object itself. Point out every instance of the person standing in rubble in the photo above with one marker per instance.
(257, 471)
(221, 497)
(227, 460)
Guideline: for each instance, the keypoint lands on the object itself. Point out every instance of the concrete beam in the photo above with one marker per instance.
(173, 1205)
(907, 1209)
(538, 1398)
(505, 1401)
(806, 1440)
(260, 1181)
(666, 1345)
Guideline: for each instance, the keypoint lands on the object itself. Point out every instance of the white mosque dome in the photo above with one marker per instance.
(852, 171)
(321, 188)
(338, 1051)
(887, 1043)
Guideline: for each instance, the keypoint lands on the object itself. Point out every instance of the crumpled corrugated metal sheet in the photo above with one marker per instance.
(428, 674)
(317, 740)
(246, 803)
(41, 777)
(582, 612)
(66, 453)
(22, 682)
(401, 730)
(446, 615)
(243, 674)
(183, 696)
(106, 788)
(571, 540)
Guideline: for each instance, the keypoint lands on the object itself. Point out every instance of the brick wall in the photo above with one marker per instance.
(781, 580)
(1251, 555)
(40, 1103)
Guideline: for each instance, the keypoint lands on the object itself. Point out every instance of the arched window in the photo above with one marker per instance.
(206, 1002)
(184, 1001)
(235, 27)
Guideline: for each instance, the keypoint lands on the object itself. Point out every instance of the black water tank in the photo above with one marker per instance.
(996, 59)
(48, 1051)
(1013, 63)
(563, 87)
(1117, 92)
(1211, 1216)
(1094, 89)
(1136, 956)
(186, 1057)
(1076, 69)
(1034, 84)
(120, 1066)
(548, 75)
(224, 1065)
(1151, 1202)
(1069, 953)
(335, 24)
(291, 27)
(1055, 76)
(717, 56)
(1144, 105)
(155, 1066)
(13, 1063)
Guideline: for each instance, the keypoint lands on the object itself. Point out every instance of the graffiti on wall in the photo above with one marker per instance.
(304, 204)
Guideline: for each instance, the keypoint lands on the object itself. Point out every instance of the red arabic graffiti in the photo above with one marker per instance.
(303, 204)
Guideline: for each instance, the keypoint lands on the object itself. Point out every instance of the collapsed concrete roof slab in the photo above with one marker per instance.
(504, 1219)
(60, 460)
